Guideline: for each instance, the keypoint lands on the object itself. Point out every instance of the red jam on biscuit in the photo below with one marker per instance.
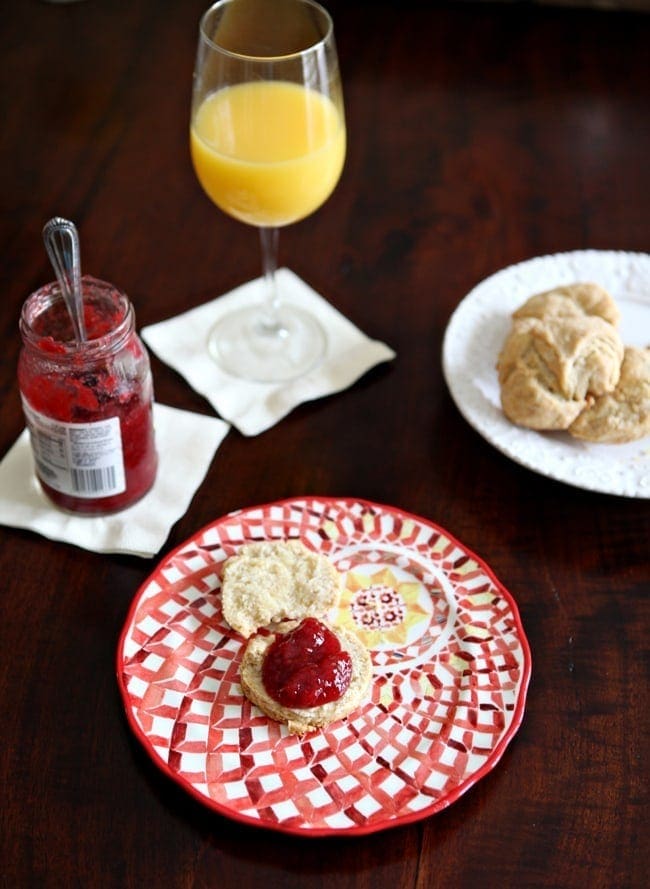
(306, 667)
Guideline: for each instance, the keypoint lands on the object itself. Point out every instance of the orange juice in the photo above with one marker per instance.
(268, 152)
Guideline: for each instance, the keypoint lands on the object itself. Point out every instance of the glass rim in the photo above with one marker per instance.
(255, 58)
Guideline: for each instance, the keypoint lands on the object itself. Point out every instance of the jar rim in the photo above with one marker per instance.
(95, 291)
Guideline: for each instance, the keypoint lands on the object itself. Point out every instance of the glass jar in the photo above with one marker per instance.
(88, 406)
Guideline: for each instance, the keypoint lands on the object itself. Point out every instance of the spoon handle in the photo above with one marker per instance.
(62, 244)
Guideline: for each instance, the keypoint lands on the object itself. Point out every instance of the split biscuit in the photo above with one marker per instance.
(276, 580)
(301, 721)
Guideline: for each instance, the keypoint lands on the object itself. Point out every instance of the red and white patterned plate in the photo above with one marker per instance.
(451, 669)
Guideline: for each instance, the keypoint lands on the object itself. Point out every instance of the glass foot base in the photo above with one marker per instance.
(244, 346)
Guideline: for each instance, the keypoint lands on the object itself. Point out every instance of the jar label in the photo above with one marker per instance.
(82, 459)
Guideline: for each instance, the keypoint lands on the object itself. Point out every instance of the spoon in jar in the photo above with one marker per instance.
(62, 244)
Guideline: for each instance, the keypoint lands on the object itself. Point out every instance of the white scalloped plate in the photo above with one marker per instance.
(451, 667)
(473, 340)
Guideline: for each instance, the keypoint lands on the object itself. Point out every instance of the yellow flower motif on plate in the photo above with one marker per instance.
(385, 610)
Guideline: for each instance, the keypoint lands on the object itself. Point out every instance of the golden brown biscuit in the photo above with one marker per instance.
(624, 414)
(548, 367)
(571, 301)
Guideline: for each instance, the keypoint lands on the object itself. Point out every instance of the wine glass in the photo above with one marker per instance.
(267, 140)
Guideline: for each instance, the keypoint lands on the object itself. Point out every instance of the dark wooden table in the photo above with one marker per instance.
(479, 136)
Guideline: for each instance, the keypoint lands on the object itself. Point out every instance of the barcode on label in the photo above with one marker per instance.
(95, 481)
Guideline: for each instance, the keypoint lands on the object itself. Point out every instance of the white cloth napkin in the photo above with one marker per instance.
(186, 443)
(181, 342)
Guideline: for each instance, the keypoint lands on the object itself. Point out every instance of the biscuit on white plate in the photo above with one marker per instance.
(274, 580)
(548, 367)
(571, 301)
(624, 414)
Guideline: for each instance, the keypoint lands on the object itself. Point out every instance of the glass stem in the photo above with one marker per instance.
(271, 323)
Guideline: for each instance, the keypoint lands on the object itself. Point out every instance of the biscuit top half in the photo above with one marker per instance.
(275, 580)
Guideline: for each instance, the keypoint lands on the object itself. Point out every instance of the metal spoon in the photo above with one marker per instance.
(62, 244)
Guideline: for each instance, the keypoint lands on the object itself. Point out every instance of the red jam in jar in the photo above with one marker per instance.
(88, 405)
(306, 667)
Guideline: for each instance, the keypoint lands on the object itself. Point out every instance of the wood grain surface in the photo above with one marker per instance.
(480, 135)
